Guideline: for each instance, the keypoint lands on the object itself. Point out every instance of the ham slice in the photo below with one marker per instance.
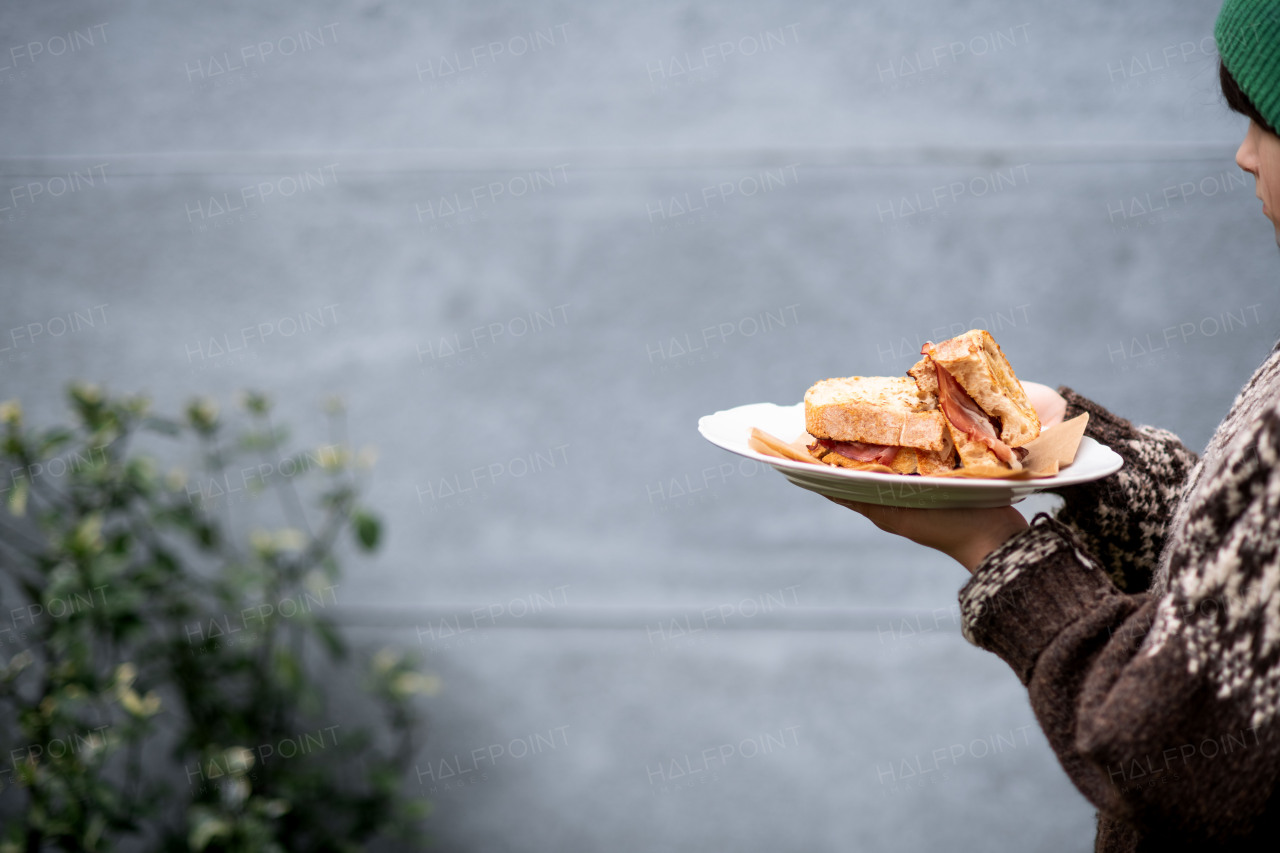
(883, 454)
(966, 416)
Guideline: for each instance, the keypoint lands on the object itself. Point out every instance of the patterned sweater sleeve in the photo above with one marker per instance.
(1123, 520)
(1161, 709)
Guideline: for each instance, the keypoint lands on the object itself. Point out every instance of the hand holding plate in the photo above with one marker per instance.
(965, 534)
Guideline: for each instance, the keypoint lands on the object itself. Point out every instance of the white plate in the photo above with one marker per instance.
(729, 429)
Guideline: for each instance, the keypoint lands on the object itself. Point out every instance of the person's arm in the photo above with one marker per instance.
(1123, 519)
(1161, 710)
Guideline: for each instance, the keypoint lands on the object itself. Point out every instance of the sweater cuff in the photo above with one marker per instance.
(1028, 590)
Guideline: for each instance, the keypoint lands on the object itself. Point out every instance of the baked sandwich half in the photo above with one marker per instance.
(864, 421)
(988, 415)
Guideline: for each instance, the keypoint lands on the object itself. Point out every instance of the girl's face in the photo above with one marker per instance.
(1259, 155)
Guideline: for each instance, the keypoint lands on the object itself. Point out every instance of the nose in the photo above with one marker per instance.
(1247, 153)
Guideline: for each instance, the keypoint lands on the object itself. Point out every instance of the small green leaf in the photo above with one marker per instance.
(85, 394)
(164, 426)
(255, 402)
(206, 535)
(87, 537)
(368, 529)
(207, 826)
(202, 415)
(331, 639)
(53, 440)
(287, 669)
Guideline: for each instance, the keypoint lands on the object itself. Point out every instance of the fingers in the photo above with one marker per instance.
(1049, 404)
(871, 511)
(881, 516)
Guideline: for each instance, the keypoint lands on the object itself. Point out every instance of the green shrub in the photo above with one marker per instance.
(161, 671)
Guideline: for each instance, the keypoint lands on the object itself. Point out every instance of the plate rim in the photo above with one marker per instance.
(1109, 467)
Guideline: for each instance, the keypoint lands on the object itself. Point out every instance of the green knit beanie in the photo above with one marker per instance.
(1248, 37)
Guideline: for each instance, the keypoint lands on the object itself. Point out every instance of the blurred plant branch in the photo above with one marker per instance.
(144, 624)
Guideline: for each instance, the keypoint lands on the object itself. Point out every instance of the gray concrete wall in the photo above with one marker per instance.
(491, 228)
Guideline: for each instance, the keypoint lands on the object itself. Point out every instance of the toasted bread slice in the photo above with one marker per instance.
(926, 377)
(874, 410)
(930, 462)
(978, 364)
(971, 452)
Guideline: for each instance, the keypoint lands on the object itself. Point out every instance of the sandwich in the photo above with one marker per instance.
(989, 418)
(959, 410)
(878, 423)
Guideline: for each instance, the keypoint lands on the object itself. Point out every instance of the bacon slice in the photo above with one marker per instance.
(858, 451)
(966, 416)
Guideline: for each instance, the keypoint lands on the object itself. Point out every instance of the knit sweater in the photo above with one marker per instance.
(1144, 619)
